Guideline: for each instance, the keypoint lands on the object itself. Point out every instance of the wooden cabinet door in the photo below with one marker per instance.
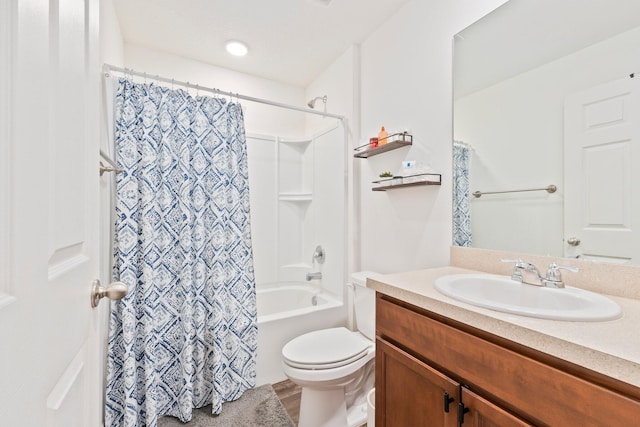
(482, 413)
(411, 393)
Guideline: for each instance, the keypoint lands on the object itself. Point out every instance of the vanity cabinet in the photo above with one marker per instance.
(413, 393)
(475, 411)
(488, 381)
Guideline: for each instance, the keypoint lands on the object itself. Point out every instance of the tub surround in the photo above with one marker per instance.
(610, 348)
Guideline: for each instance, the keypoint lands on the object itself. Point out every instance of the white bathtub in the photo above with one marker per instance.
(286, 310)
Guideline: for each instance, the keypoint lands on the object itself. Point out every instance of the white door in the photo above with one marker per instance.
(602, 172)
(50, 372)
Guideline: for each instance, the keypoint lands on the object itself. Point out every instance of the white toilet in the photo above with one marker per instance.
(335, 367)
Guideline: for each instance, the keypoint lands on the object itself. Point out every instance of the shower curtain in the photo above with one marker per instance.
(461, 193)
(186, 334)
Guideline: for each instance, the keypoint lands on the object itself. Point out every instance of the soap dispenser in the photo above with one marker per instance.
(382, 136)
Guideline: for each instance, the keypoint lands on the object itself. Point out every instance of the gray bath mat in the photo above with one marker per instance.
(258, 407)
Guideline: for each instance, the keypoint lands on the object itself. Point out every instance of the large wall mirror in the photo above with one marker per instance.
(543, 96)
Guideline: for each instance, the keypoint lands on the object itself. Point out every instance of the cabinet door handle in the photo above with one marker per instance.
(447, 401)
(461, 411)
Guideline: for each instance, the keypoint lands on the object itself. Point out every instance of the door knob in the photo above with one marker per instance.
(573, 241)
(113, 291)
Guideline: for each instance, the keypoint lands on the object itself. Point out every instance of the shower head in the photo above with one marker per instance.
(312, 103)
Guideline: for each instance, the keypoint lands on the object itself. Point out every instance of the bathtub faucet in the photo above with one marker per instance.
(318, 255)
(314, 276)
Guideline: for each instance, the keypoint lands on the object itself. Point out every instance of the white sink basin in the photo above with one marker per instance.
(503, 294)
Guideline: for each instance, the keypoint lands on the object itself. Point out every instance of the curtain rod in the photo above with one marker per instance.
(112, 168)
(106, 68)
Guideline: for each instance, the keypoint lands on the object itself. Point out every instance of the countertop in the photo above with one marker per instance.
(611, 347)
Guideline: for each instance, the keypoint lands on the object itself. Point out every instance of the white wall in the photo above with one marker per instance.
(519, 144)
(111, 44)
(406, 84)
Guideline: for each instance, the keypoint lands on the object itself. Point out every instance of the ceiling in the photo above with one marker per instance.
(290, 41)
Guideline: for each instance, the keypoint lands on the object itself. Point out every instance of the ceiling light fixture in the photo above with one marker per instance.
(236, 48)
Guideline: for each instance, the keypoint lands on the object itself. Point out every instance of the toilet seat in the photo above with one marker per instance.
(326, 349)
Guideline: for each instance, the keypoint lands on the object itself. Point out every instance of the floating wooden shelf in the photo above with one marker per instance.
(425, 179)
(397, 140)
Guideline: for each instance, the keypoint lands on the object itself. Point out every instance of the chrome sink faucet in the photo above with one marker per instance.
(554, 277)
(527, 273)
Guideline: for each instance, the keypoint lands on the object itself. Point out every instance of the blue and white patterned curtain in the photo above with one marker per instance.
(461, 193)
(186, 334)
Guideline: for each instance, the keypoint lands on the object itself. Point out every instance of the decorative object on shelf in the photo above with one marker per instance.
(408, 181)
(383, 136)
(387, 179)
(397, 140)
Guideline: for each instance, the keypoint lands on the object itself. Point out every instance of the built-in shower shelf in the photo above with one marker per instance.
(395, 141)
(295, 197)
(301, 265)
(295, 141)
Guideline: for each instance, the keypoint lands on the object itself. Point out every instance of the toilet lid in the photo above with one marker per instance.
(325, 349)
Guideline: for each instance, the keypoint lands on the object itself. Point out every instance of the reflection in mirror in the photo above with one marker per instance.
(543, 96)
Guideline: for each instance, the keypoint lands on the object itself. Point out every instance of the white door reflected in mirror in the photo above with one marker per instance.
(601, 136)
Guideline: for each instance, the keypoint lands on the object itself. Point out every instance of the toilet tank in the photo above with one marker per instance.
(364, 304)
